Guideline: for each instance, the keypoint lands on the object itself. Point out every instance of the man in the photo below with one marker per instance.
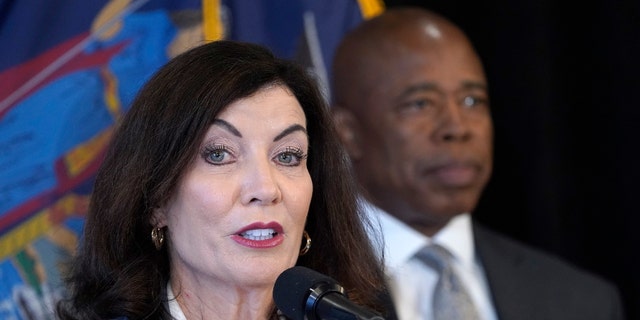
(411, 102)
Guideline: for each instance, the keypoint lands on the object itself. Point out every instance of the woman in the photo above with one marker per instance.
(225, 160)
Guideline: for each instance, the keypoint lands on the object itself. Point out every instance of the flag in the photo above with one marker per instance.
(69, 71)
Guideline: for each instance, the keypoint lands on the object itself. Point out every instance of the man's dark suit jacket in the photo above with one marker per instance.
(526, 283)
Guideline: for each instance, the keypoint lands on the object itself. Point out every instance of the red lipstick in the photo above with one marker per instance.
(260, 235)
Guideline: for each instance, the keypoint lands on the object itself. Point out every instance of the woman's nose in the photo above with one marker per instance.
(261, 185)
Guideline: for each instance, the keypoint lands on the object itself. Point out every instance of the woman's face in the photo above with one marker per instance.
(239, 211)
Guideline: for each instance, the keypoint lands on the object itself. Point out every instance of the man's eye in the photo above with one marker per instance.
(416, 105)
(469, 101)
(472, 101)
(419, 104)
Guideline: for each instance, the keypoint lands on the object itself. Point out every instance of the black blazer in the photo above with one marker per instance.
(526, 283)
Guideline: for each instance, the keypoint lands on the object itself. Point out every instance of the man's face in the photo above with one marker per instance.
(422, 135)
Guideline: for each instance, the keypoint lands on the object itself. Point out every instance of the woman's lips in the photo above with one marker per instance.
(260, 235)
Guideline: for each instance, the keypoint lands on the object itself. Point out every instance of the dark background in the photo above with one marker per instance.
(565, 94)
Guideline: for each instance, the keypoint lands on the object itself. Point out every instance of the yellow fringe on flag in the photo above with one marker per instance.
(212, 26)
(371, 8)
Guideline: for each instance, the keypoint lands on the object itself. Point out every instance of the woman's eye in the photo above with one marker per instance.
(291, 157)
(286, 157)
(216, 155)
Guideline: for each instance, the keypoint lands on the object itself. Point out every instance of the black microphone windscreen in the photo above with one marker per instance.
(292, 288)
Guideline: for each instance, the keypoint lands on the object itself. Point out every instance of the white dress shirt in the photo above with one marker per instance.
(411, 281)
(174, 307)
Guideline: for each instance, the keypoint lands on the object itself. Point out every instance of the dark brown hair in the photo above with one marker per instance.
(118, 271)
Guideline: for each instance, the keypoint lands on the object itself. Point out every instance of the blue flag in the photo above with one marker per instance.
(69, 71)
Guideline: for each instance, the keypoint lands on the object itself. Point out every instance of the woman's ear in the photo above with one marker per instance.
(347, 127)
(158, 218)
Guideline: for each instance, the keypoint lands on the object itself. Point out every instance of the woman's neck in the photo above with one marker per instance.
(222, 303)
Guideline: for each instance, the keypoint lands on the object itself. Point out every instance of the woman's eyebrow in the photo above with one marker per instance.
(289, 130)
(228, 126)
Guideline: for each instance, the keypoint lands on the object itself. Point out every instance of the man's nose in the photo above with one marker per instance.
(453, 126)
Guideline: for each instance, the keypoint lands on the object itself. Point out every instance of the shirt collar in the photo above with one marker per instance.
(457, 237)
(401, 242)
(174, 307)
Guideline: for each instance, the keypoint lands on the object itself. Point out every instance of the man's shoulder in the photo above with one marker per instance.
(512, 266)
(519, 274)
(493, 245)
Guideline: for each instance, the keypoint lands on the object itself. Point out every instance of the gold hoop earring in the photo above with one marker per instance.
(307, 243)
(157, 236)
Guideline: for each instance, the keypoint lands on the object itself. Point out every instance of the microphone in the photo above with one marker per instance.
(300, 292)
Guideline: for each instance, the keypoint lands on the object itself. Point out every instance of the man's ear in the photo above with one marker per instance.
(347, 127)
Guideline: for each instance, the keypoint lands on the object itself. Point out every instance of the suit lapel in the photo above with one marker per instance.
(503, 267)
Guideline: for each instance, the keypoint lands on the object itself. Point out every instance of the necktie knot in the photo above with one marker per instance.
(451, 301)
(436, 257)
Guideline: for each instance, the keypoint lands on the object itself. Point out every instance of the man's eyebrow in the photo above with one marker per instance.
(289, 130)
(227, 126)
(474, 85)
(429, 86)
(418, 87)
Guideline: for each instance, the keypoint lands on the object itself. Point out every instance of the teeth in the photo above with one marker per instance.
(258, 234)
